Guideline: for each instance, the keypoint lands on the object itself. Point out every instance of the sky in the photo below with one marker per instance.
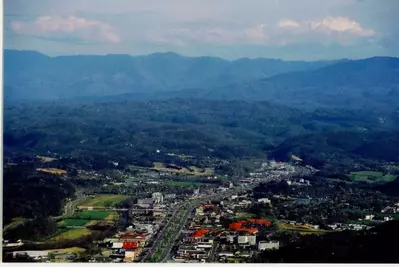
(284, 29)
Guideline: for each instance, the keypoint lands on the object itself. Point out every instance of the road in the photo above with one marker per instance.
(69, 209)
(161, 234)
(175, 228)
(193, 204)
(70, 206)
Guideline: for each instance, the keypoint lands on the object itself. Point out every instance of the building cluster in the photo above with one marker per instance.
(213, 234)
(127, 246)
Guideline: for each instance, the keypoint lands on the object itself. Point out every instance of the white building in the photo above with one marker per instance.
(242, 239)
(264, 200)
(369, 217)
(145, 201)
(265, 245)
(252, 240)
(157, 197)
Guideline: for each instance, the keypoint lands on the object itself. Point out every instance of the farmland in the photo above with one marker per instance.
(69, 234)
(104, 201)
(92, 215)
(159, 166)
(52, 171)
(302, 228)
(73, 222)
(371, 176)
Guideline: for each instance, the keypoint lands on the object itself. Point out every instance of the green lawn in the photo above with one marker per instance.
(92, 215)
(244, 215)
(73, 222)
(70, 234)
(104, 201)
(371, 176)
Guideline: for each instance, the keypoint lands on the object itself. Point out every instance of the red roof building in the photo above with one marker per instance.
(129, 245)
(260, 221)
(200, 233)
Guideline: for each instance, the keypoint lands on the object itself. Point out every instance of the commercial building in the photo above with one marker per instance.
(266, 245)
(157, 198)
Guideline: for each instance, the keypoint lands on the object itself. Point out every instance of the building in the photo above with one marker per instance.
(265, 245)
(157, 198)
(170, 196)
(145, 201)
(369, 217)
(35, 255)
(264, 200)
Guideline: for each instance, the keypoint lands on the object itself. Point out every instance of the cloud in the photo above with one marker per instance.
(338, 28)
(328, 30)
(67, 27)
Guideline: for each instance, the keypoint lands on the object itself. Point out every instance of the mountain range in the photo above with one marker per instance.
(367, 83)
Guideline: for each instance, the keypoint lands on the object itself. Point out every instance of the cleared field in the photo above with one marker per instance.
(192, 170)
(104, 201)
(112, 216)
(45, 159)
(244, 215)
(73, 222)
(52, 171)
(371, 176)
(70, 234)
(299, 228)
(92, 215)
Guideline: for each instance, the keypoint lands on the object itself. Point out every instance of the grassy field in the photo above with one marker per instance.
(73, 222)
(113, 216)
(104, 201)
(244, 215)
(303, 229)
(92, 215)
(69, 234)
(371, 177)
(52, 171)
(192, 170)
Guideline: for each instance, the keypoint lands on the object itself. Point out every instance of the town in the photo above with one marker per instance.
(160, 215)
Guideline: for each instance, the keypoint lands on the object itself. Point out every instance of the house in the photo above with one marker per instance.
(145, 201)
(265, 245)
(157, 198)
(264, 200)
(369, 217)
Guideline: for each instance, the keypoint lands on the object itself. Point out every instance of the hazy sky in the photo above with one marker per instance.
(287, 29)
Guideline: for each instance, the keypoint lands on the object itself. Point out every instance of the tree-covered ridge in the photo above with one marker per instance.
(130, 130)
(30, 75)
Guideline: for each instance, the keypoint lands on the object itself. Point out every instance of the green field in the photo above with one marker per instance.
(73, 222)
(244, 215)
(92, 215)
(70, 234)
(104, 201)
(371, 176)
(192, 170)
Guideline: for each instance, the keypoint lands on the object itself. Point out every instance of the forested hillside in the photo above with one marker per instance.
(129, 131)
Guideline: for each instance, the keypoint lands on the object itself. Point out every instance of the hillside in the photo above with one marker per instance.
(33, 76)
(357, 84)
(130, 131)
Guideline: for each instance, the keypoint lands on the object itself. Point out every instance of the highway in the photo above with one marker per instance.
(171, 232)
(165, 253)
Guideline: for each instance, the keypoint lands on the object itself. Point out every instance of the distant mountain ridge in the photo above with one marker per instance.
(371, 83)
(31, 75)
